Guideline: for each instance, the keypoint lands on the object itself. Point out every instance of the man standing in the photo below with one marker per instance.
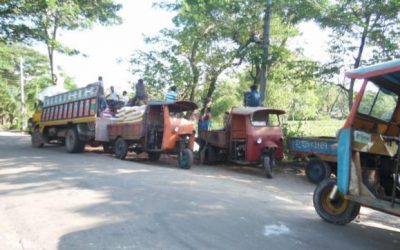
(252, 97)
(141, 95)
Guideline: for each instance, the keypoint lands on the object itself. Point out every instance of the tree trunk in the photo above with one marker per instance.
(50, 51)
(263, 72)
(195, 70)
(357, 63)
(210, 92)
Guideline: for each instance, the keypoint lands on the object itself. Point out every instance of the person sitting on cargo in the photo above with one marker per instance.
(171, 94)
(125, 98)
(141, 94)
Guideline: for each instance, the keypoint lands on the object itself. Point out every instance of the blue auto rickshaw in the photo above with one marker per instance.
(368, 150)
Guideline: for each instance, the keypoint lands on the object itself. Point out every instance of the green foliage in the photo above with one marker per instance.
(36, 78)
(40, 20)
(357, 27)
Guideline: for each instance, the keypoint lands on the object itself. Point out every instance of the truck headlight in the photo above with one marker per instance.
(259, 140)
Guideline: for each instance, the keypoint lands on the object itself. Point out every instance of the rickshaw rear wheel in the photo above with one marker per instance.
(154, 156)
(317, 171)
(211, 155)
(266, 163)
(121, 148)
(185, 159)
(338, 211)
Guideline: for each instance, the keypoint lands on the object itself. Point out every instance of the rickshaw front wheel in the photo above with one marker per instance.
(267, 165)
(185, 159)
(337, 211)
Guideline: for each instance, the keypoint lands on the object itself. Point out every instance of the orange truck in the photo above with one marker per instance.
(162, 130)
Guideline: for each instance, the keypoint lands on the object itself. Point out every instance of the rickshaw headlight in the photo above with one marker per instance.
(176, 129)
(259, 140)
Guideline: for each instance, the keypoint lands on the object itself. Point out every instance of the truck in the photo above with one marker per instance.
(74, 119)
(251, 136)
(162, 130)
(321, 153)
(68, 118)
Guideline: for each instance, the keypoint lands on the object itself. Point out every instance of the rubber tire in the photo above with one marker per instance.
(120, 148)
(154, 156)
(210, 155)
(37, 139)
(266, 163)
(317, 170)
(321, 194)
(108, 148)
(185, 159)
(72, 142)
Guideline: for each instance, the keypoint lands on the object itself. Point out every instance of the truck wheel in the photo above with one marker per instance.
(211, 155)
(37, 139)
(338, 211)
(266, 163)
(154, 156)
(108, 148)
(72, 142)
(185, 160)
(121, 148)
(317, 170)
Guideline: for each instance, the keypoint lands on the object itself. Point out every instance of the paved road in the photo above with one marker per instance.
(53, 200)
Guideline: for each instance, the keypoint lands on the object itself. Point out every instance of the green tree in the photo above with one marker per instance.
(35, 74)
(41, 20)
(357, 26)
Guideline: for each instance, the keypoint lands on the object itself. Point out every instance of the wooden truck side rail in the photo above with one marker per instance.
(127, 131)
(216, 138)
(324, 148)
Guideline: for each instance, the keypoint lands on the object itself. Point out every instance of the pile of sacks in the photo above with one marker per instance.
(130, 114)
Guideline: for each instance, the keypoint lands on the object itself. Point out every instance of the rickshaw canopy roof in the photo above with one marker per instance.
(252, 110)
(175, 106)
(389, 71)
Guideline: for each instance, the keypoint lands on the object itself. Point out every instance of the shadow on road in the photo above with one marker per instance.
(142, 206)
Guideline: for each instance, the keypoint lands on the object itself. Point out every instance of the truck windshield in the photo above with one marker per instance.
(378, 103)
(265, 119)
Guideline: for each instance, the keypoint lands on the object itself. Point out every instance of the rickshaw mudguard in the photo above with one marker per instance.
(344, 158)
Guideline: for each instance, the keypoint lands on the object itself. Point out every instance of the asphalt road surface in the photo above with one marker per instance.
(50, 199)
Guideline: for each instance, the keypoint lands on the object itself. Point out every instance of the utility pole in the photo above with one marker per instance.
(265, 45)
(21, 71)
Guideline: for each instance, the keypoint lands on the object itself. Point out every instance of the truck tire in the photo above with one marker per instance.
(266, 163)
(211, 155)
(339, 211)
(185, 159)
(108, 148)
(317, 171)
(72, 142)
(37, 139)
(154, 156)
(121, 148)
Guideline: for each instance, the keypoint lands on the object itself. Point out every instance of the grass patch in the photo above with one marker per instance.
(314, 128)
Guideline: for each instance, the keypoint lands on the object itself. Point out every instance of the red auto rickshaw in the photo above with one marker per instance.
(251, 136)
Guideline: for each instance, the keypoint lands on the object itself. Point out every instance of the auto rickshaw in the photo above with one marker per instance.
(251, 136)
(368, 150)
(163, 129)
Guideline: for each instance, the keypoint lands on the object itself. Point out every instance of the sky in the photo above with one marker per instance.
(105, 45)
